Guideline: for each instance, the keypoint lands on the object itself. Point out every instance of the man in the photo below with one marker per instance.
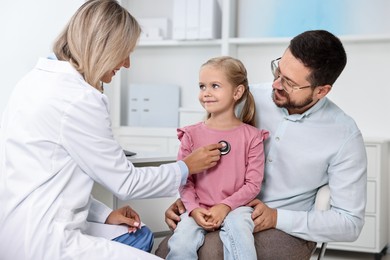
(312, 143)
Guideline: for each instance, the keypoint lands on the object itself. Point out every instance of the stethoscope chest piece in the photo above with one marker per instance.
(226, 149)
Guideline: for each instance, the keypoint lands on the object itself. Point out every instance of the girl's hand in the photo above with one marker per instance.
(218, 214)
(200, 216)
(125, 215)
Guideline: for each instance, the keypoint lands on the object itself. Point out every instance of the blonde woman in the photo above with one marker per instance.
(56, 141)
(216, 198)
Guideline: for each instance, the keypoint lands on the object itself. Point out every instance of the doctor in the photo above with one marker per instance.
(56, 141)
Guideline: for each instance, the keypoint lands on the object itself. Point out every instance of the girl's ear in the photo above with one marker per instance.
(238, 92)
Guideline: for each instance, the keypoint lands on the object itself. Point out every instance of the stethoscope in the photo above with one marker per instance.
(225, 149)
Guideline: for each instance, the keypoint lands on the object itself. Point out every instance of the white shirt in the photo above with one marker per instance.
(304, 152)
(56, 140)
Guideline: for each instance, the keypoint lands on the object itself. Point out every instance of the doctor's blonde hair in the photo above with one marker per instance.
(236, 74)
(99, 36)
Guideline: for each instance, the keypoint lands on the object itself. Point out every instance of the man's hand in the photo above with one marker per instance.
(200, 215)
(203, 158)
(125, 215)
(172, 214)
(263, 216)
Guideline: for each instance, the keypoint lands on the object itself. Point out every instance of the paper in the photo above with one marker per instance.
(105, 230)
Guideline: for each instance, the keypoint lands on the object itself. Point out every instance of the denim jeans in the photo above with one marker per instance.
(236, 235)
(142, 239)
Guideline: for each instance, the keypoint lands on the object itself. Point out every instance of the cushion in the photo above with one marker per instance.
(270, 244)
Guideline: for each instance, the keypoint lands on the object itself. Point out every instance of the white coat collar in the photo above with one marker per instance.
(57, 66)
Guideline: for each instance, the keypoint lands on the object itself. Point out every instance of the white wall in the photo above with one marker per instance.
(28, 29)
(363, 90)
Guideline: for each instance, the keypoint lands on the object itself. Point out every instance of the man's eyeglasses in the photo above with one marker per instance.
(287, 85)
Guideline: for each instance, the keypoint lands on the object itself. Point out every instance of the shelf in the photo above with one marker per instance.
(146, 131)
(286, 40)
(178, 61)
(253, 41)
(176, 43)
(365, 38)
(372, 139)
(257, 41)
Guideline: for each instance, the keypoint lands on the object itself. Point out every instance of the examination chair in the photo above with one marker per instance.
(212, 247)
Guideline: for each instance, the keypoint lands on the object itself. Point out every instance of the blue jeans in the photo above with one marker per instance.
(142, 239)
(236, 234)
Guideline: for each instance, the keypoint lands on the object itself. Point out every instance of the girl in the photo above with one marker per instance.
(216, 198)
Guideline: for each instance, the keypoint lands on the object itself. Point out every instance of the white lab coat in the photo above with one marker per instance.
(56, 140)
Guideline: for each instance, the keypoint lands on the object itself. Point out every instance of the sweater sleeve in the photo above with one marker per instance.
(187, 191)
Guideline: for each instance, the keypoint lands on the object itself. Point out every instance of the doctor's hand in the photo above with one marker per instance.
(203, 158)
(125, 215)
(263, 216)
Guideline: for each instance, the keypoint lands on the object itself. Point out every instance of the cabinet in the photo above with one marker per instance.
(148, 140)
(177, 62)
(375, 234)
(159, 61)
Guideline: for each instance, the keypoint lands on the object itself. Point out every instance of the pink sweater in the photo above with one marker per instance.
(237, 177)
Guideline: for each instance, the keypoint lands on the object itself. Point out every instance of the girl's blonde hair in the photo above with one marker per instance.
(236, 74)
(98, 37)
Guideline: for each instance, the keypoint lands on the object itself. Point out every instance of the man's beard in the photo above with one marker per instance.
(288, 104)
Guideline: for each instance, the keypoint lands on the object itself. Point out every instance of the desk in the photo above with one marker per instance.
(147, 159)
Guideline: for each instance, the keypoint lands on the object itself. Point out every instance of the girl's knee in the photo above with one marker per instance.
(240, 218)
(240, 213)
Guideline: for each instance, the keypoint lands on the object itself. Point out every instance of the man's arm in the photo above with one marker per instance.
(345, 218)
(348, 187)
